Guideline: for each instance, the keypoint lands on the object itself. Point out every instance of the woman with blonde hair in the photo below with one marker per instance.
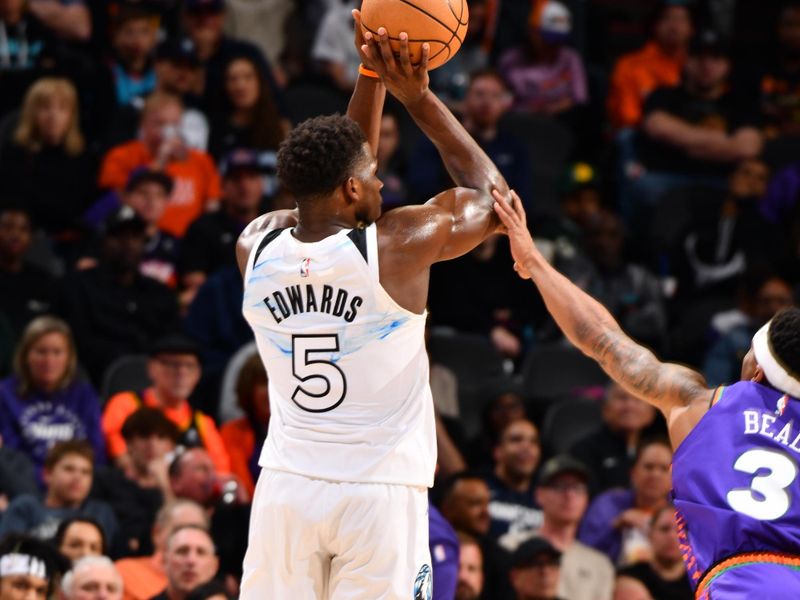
(46, 401)
(46, 163)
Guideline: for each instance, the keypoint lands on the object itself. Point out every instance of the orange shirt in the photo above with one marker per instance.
(196, 182)
(240, 441)
(142, 577)
(122, 405)
(635, 76)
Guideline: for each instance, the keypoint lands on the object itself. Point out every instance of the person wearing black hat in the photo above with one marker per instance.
(535, 570)
(562, 492)
(113, 309)
(174, 369)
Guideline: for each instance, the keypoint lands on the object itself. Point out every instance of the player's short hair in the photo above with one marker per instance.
(319, 155)
(784, 337)
(63, 449)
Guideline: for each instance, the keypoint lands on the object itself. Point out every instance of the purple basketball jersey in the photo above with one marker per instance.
(736, 482)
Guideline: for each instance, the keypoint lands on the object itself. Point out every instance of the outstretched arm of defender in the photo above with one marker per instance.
(590, 327)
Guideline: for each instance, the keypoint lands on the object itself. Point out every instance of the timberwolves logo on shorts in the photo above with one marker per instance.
(423, 585)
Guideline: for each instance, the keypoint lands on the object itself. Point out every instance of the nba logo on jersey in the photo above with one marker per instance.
(423, 585)
(305, 266)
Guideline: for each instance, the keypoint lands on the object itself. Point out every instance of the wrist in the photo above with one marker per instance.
(362, 70)
(414, 103)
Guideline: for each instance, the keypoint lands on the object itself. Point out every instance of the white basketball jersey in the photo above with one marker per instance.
(348, 369)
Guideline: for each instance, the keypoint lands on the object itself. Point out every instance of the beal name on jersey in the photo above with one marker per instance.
(298, 299)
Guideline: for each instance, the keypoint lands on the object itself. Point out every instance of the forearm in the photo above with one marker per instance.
(366, 108)
(467, 164)
(70, 22)
(450, 459)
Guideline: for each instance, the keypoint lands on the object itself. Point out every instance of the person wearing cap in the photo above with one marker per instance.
(562, 492)
(658, 63)
(133, 40)
(545, 75)
(28, 568)
(115, 310)
(535, 570)
(174, 369)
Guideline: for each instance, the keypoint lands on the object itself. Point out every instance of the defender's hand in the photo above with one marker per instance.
(404, 81)
(515, 224)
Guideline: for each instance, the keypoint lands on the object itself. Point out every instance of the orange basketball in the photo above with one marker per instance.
(441, 23)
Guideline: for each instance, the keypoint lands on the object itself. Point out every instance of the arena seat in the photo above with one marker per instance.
(551, 371)
(128, 372)
(567, 421)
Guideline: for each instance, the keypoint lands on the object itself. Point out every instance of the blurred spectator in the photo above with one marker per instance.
(92, 578)
(68, 476)
(47, 163)
(17, 476)
(262, 23)
(134, 38)
(210, 241)
(31, 568)
(658, 63)
(248, 114)
(512, 507)
(443, 544)
(470, 568)
(760, 297)
(46, 401)
(616, 27)
(138, 490)
(162, 147)
(545, 75)
(609, 452)
(192, 476)
(628, 588)
(213, 590)
(562, 492)
(504, 406)
(698, 129)
(113, 309)
(245, 436)
(392, 167)
(67, 19)
(618, 520)
(190, 560)
(144, 577)
(77, 537)
(780, 207)
(28, 291)
(174, 369)
(536, 570)
(333, 48)
(664, 574)
(486, 102)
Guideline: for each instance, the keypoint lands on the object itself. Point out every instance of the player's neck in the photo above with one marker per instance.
(321, 222)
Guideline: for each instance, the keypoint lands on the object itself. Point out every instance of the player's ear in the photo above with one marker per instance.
(351, 190)
(758, 376)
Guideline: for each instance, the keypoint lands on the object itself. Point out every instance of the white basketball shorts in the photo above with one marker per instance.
(313, 539)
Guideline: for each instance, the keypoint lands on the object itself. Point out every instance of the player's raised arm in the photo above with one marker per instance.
(366, 103)
(679, 392)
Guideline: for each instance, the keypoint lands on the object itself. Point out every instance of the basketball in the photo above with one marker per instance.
(441, 23)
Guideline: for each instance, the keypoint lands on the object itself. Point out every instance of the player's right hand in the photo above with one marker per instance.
(406, 82)
(515, 226)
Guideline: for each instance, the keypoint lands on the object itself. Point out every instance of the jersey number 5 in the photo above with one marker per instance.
(322, 383)
(766, 499)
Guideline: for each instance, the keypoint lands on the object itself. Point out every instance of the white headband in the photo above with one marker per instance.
(774, 371)
(22, 564)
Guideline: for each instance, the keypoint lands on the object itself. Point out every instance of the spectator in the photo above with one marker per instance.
(516, 456)
(190, 560)
(92, 578)
(45, 401)
(30, 568)
(333, 48)
(618, 520)
(68, 475)
(443, 544)
(697, 130)
(760, 297)
(28, 291)
(210, 241)
(78, 537)
(504, 406)
(562, 493)
(162, 147)
(47, 163)
(392, 167)
(536, 570)
(67, 19)
(545, 75)
(628, 588)
(134, 39)
(213, 590)
(248, 115)
(245, 436)
(138, 490)
(609, 451)
(470, 568)
(487, 100)
(17, 476)
(174, 369)
(144, 576)
(113, 309)
(664, 574)
(192, 476)
(658, 63)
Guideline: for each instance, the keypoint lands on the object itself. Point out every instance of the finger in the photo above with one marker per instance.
(506, 216)
(405, 55)
(426, 50)
(386, 48)
(519, 209)
(358, 30)
(356, 16)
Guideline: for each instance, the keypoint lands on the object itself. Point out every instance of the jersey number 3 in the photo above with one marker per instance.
(766, 499)
(322, 383)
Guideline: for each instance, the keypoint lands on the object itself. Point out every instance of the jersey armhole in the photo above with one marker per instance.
(265, 238)
(372, 252)
(717, 396)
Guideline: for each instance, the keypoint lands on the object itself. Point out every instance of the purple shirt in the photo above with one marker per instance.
(735, 479)
(444, 555)
(597, 528)
(536, 86)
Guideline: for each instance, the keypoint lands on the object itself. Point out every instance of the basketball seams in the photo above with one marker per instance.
(460, 15)
(432, 56)
(429, 15)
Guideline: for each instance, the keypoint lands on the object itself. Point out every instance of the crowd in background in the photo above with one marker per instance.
(656, 145)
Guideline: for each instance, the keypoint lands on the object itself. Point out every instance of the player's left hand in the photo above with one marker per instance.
(515, 227)
(406, 82)
(366, 59)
